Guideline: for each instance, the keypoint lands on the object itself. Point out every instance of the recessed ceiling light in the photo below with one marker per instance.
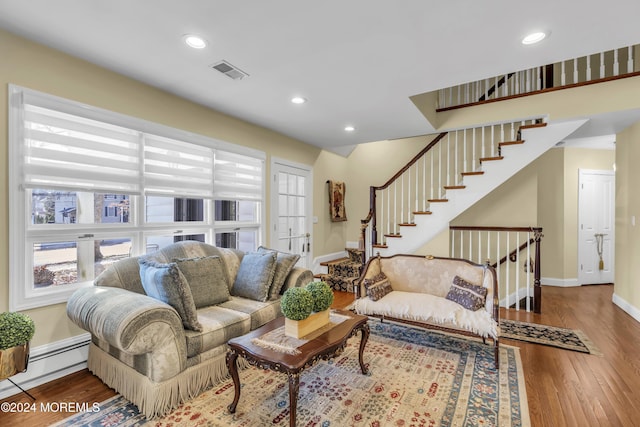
(194, 41)
(349, 128)
(534, 38)
(298, 100)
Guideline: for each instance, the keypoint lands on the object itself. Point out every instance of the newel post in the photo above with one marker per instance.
(537, 290)
(372, 209)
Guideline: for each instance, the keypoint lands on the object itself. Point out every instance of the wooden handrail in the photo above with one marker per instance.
(371, 215)
(536, 92)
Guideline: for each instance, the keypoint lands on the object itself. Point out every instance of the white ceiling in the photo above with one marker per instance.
(356, 61)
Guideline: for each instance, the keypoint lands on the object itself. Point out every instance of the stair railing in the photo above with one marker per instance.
(515, 254)
(426, 178)
(595, 68)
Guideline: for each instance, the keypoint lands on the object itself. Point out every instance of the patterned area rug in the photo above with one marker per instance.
(417, 378)
(568, 339)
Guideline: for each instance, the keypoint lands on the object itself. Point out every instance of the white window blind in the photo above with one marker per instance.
(237, 177)
(177, 169)
(64, 151)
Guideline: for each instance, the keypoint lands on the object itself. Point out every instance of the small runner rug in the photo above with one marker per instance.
(568, 339)
(416, 377)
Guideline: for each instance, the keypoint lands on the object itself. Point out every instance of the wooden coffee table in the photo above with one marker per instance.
(326, 346)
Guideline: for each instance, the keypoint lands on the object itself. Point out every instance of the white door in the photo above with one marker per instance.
(291, 208)
(596, 216)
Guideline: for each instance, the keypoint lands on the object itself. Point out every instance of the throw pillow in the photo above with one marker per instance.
(255, 275)
(166, 283)
(207, 279)
(470, 296)
(377, 286)
(284, 264)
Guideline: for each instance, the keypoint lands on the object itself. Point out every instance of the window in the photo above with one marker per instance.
(89, 187)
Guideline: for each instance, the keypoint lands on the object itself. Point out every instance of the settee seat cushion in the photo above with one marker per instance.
(429, 308)
(219, 325)
(260, 312)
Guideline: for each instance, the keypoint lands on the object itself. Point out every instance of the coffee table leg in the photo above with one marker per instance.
(363, 343)
(294, 388)
(233, 370)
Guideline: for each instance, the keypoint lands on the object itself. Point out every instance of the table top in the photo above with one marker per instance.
(325, 344)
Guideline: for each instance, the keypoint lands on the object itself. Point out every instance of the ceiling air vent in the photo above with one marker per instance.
(229, 70)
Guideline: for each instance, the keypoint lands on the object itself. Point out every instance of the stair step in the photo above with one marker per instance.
(407, 224)
(472, 173)
(380, 246)
(489, 159)
(455, 187)
(519, 141)
(392, 235)
(437, 200)
(534, 125)
(422, 213)
(333, 261)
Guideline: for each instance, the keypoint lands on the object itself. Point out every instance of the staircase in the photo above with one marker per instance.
(445, 179)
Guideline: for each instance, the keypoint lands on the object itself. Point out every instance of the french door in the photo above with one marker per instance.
(291, 208)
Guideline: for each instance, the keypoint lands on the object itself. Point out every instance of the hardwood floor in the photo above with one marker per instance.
(564, 388)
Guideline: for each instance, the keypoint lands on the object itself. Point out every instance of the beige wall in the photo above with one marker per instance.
(627, 250)
(37, 67)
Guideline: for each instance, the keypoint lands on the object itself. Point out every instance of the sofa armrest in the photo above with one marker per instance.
(133, 323)
(298, 277)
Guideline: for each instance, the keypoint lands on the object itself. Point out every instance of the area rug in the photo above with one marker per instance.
(568, 339)
(416, 378)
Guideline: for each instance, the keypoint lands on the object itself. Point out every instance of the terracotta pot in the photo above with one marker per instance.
(14, 360)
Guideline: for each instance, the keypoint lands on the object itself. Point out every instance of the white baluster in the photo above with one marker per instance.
(464, 153)
(493, 147)
(498, 265)
(517, 271)
(439, 171)
(388, 211)
(575, 70)
(470, 253)
(517, 84)
(408, 196)
(402, 198)
(455, 158)
(395, 207)
(488, 245)
(382, 214)
(630, 68)
(486, 89)
(563, 75)
(482, 151)
(616, 65)
(527, 83)
(588, 68)
(458, 91)
(424, 179)
(431, 182)
(602, 70)
(528, 271)
(461, 255)
(473, 159)
(495, 87)
(507, 263)
(453, 243)
(449, 157)
(505, 86)
(501, 132)
(479, 247)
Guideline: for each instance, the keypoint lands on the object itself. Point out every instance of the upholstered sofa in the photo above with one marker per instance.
(454, 295)
(159, 323)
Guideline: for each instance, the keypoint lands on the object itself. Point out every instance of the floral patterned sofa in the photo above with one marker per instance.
(159, 323)
(454, 295)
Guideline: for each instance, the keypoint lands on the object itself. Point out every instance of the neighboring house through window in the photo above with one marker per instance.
(89, 187)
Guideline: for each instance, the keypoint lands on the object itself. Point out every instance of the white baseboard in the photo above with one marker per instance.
(49, 362)
(321, 269)
(626, 307)
(512, 298)
(563, 283)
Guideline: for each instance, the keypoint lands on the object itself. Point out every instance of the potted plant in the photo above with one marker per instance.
(306, 309)
(16, 331)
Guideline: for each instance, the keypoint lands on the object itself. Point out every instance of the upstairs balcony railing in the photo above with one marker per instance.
(596, 68)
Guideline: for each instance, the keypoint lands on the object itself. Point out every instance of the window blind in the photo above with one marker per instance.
(68, 152)
(237, 177)
(177, 169)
